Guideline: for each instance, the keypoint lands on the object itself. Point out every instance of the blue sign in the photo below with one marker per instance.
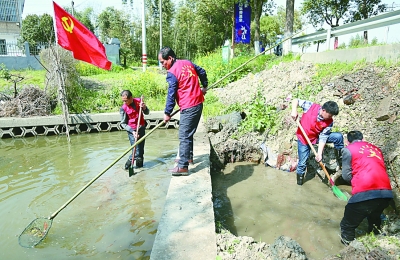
(242, 22)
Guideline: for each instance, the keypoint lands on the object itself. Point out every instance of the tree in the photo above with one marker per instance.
(269, 29)
(153, 25)
(5, 74)
(289, 24)
(281, 16)
(363, 9)
(37, 30)
(330, 12)
(85, 17)
(274, 25)
(202, 26)
(320, 41)
(258, 8)
(113, 23)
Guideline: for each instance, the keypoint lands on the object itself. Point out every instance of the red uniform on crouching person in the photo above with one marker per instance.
(364, 167)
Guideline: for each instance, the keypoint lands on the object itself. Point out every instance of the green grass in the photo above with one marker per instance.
(31, 77)
(102, 94)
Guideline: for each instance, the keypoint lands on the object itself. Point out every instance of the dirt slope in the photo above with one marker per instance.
(369, 101)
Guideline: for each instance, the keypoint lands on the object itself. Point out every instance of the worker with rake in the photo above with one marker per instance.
(317, 122)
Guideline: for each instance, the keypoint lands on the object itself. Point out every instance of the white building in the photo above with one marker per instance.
(10, 23)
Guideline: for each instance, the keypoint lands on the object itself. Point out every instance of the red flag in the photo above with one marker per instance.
(74, 36)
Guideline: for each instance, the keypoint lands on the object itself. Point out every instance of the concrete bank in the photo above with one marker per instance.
(11, 127)
(186, 229)
(187, 226)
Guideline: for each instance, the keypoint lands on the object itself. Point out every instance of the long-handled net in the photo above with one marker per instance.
(35, 232)
(38, 229)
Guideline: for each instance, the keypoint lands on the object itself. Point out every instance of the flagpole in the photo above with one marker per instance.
(144, 55)
(62, 92)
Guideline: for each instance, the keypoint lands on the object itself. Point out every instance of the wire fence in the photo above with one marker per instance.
(16, 49)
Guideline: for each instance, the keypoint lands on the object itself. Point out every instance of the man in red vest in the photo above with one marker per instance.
(364, 167)
(129, 121)
(317, 123)
(184, 88)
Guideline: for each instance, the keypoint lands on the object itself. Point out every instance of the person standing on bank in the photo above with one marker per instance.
(184, 88)
(317, 122)
(129, 119)
(364, 167)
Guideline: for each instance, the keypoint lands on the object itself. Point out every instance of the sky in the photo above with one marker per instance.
(40, 7)
(390, 34)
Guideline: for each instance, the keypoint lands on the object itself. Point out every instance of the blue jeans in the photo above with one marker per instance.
(188, 123)
(140, 147)
(304, 150)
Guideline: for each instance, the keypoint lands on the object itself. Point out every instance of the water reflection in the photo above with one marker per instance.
(264, 203)
(114, 218)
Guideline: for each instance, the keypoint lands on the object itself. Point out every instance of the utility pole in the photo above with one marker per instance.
(72, 7)
(159, 64)
(144, 55)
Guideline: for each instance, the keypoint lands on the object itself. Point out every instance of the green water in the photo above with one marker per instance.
(114, 218)
(265, 203)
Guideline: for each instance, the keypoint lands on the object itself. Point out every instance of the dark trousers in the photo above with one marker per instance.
(189, 120)
(355, 213)
(139, 147)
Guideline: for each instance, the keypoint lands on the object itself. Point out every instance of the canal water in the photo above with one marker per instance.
(116, 217)
(264, 203)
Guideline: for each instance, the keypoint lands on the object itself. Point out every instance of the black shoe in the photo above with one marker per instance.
(139, 162)
(128, 164)
(300, 179)
(344, 241)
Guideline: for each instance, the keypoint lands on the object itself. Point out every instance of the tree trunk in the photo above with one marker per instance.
(257, 13)
(233, 35)
(365, 37)
(289, 26)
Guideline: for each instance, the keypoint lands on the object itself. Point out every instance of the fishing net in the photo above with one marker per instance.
(35, 232)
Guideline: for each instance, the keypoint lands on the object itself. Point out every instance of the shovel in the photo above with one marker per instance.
(131, 169)
(338, 193)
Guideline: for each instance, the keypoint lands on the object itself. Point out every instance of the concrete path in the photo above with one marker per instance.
(186, 229)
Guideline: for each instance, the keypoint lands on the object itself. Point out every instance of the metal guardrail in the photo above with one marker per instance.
(364, 25)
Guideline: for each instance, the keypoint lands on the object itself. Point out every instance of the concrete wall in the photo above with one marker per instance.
(19, 63)
(187, 227)
(15, 127)
(370, 54)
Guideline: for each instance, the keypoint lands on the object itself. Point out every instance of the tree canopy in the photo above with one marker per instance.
(195, 27)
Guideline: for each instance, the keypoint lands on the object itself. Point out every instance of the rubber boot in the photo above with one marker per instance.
(338, 156)
(300, 179)
(128, 164)
(139, 162)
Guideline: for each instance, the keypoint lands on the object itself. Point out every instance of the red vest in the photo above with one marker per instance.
(368, 168)
(133, 114)
(311, 126)
(189, 93)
